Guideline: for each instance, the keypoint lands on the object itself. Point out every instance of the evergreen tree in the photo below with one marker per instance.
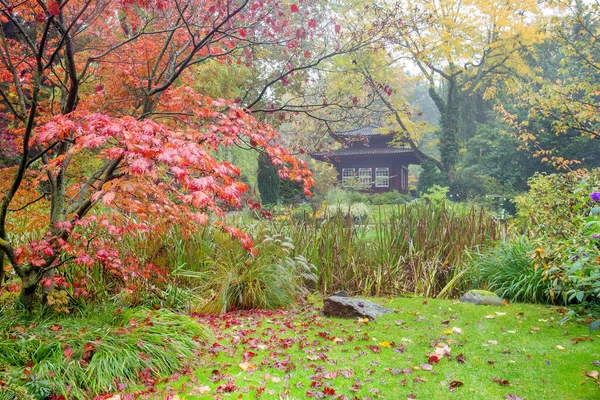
(268, 180)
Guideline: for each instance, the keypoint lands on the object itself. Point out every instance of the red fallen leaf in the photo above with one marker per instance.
(411, 396)
(294, 8)
(461, 359)
(455, 384)
(433, 360)
(228, 387)
(67, 351)
(53, 7)
(329, 391)
(511, 396)
(501, 382)
(247, 355)
(312, 23)
(243, 33)
(374, 348)
(55, 327)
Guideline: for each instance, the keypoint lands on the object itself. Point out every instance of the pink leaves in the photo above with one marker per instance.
(140, 166)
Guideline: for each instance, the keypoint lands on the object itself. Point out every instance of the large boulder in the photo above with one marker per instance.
(482, 297)
(352, 307)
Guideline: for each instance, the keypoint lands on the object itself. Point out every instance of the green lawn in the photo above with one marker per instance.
(494, 352)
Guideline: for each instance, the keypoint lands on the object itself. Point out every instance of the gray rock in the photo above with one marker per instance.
(482, 297)
(352, 307)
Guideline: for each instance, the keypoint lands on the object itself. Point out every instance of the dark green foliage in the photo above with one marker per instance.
(303, 211)
(83, 356)
(290, 192)
(509, 271)
(468, 185)
(268, 180)
(231, 278)
(430, 176)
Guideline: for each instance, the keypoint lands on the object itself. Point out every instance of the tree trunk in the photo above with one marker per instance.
(27, 296)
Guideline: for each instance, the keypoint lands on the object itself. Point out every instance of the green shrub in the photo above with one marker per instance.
(338, 196)
(88, 355)
(558, 212)
(391, 197)
(303, 211)
(359, 212)
(234, 279)
(509, 271)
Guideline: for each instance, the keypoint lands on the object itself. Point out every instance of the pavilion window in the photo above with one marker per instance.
(365, 176)
(348, 177)
(382, 177)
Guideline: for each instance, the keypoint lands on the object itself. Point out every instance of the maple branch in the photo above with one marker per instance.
(291, 71)
(66, 32)
(86, 205)
(12, 109)
(28, 204)
(18, 179)
(41, 154)
(182, 65)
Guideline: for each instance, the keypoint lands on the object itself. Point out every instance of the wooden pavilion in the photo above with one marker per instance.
(369, 161)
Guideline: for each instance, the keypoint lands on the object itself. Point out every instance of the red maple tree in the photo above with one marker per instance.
(96, 96)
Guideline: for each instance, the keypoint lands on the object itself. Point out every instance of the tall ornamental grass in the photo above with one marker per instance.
(419, 249)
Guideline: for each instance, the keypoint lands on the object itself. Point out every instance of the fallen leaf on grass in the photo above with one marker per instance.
(559, 347)
(489, 317)
(500, 313)
(461, 359)
(385, 344)
(592, 374)
(200, 389)
(501, 382)
(455, 384)
(581, 339)
(246, 366)
(512, 397)
(447, 332)
(457, 330)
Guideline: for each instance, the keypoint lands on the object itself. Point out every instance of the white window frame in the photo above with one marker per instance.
(348, 176)
(382, 177)
(365, 176)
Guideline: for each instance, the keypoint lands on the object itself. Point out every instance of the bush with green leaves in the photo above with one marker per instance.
(338, 196)
(562, 217)
(231, 278)
(100, 351)
(358, 212)
(302, 211)
(509, 271)
(391, 197)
